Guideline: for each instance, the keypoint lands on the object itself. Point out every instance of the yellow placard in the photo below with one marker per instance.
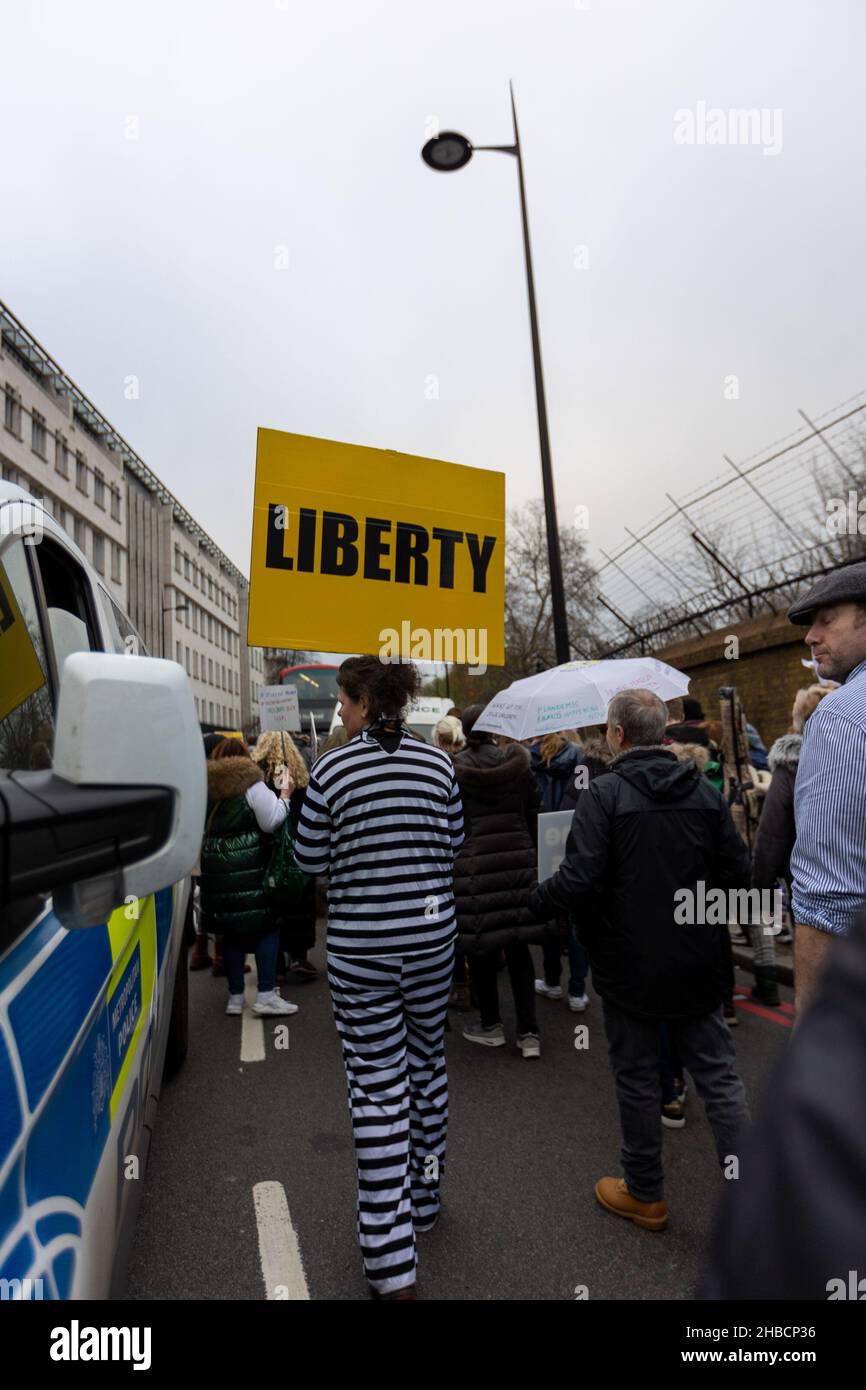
(368, 550)
(20, 672)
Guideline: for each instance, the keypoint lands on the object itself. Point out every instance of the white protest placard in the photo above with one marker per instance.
(278, 708)
(553, 828)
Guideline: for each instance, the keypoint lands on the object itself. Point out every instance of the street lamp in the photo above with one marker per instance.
(172, 608)
(445, 153)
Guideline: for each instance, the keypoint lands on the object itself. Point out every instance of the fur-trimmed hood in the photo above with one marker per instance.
(656, 772)
(488, 768)
(231, 777)
(785, 752)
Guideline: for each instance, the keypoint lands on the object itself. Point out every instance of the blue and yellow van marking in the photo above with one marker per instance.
(120, 962)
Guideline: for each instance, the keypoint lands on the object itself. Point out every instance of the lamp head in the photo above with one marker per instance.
(447, 152)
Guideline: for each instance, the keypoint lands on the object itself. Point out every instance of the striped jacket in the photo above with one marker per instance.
(385, 828)
(828, 864)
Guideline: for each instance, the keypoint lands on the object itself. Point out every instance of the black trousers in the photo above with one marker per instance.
(521, 972)
(707, 1050)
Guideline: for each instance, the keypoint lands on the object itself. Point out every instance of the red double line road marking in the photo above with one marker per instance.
(775, 1015)
(785, 1007)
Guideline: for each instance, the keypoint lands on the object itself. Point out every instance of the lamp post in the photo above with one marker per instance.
(172, 608)
(445, 153)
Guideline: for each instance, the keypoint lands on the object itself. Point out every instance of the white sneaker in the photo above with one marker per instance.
(549, 991)
(529, 1045)
(578, 1002)
(235, 1004)
(272, 1003)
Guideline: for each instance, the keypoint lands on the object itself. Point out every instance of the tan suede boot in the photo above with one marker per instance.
(615, 1196)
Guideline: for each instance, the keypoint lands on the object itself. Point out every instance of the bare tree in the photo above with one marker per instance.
(276, 658)
(529, 638)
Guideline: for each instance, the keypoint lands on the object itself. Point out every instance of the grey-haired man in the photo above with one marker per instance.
(648, 836)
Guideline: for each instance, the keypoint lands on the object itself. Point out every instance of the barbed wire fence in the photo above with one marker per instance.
(744, 544)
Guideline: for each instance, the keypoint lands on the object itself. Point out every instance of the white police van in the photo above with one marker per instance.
(102, 803)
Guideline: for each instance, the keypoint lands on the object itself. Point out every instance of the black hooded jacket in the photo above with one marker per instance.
(497, 862)
(642, 831)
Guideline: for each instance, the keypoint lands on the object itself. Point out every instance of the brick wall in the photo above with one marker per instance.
(767, 672)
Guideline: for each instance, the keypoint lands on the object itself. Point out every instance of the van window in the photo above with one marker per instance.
(26, 711)
(70, 621)
(124, 636)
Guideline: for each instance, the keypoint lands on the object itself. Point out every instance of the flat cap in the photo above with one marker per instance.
(847, 585)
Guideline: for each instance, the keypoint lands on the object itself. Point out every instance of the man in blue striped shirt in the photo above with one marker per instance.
(828, 865)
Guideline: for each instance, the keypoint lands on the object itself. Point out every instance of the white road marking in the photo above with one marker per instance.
(279, 1252)
(252, 1028)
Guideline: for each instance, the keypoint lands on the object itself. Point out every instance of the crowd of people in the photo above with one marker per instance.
(428, 856)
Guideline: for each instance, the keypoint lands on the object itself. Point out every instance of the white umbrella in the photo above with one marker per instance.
(575, 694)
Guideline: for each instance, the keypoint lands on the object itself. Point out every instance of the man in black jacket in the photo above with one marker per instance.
(649, 866)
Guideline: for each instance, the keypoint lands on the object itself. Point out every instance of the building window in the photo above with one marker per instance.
(81, 473)
(61, 456)
(195, 664)
(186, 568)
(210, 706)
(99, 488)
(38, 435)
(179, 656)
(195, 618)
(115, 503)
(115, 563)
(78, 532)
(12, 411)
(237, 684)
(187, 662)
(99, 552)
(209, 671)
(177, 564)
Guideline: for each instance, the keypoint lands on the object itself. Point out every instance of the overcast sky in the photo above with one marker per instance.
(270, 124)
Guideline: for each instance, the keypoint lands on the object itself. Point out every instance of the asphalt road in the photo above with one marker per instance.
(527, 1141)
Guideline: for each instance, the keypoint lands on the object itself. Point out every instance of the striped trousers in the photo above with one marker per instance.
(390, 1014)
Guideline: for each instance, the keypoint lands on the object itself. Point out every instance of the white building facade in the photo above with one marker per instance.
(185, 597)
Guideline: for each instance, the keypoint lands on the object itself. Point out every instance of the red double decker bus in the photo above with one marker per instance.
(316, 684)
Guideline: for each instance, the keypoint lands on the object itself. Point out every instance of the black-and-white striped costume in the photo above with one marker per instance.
(386, 828)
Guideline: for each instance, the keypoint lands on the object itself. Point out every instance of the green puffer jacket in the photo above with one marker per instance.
(234, 853)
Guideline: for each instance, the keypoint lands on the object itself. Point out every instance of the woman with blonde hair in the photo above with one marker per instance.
(449, 736)
(281, 762)
(776, 829)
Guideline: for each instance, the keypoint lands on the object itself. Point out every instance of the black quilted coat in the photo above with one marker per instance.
(234, 854)
(498, 860)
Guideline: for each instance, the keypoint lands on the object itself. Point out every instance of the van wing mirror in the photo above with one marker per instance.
(130, 723)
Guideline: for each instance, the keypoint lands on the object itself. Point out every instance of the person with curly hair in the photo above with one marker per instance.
(277, 754)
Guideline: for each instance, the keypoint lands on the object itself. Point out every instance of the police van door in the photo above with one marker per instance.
(75, 1005)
